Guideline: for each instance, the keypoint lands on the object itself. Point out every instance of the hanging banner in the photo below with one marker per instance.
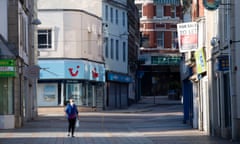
(200, 61)
(187, 36)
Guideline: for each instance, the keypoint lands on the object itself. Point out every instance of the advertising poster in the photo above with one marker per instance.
(187, 36)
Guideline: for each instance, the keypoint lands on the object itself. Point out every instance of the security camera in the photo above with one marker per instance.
(215, 41)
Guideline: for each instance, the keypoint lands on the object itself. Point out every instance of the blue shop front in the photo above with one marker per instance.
(61, 80)
(117, 90)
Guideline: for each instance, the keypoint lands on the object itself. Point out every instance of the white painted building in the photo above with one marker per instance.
(115, 47)
(70, 53)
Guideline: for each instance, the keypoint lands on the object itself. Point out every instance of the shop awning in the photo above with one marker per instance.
(5, 53)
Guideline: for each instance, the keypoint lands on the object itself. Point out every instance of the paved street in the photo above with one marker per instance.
(142, 123)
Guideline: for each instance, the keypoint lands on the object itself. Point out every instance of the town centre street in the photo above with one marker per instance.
(142, 123)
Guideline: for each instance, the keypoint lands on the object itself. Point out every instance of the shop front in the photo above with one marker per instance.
(117, 90)
(7, 74)
(61, 80)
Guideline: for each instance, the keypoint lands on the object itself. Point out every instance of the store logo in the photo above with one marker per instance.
(73, 72)
(94, 73)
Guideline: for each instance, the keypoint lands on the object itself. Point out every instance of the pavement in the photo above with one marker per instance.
(153, 120)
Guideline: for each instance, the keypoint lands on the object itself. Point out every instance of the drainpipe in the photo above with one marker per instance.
(232, 86)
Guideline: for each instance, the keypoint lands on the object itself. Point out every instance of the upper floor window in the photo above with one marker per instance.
(159, 10)
(111, 15)
(106, 47)
(112, 48)
(45, 39)
(106, 13)
(116, 13)
(117, 49)
(160, 39)
(124, 51)
(174, 40)
(139, 6)
(173, 11)
(123, 18)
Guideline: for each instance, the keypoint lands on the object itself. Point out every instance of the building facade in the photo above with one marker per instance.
(115, 51)
(18, 70)
(159, 54)
(70, 54)
(213, 78)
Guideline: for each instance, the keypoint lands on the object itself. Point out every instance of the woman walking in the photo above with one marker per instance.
(72, 115)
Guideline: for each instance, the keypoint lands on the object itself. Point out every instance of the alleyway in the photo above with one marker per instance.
(142, 123)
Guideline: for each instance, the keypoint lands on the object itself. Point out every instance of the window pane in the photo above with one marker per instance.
(116, 16)
(6, 96)
(112, 47)
(117, 53)
(124, 51)
(111, 14)
(106, 13)
(160, 39)
(159, 11)
(123, 19)
(45, 38)
(106, 48)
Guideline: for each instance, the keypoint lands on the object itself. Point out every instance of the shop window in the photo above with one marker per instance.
(49, 93)
(6, 96)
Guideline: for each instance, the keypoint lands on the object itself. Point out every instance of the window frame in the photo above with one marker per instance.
(48, 46)
(160, 39)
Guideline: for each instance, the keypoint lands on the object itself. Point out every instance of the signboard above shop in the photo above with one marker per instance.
(7, 68)
(211, 4)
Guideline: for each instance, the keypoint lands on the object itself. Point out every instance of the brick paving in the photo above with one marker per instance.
(142, 123)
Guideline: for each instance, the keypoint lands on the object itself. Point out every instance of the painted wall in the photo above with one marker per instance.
(116, 31)
(76, 34)
(94, 7)
(3, 16)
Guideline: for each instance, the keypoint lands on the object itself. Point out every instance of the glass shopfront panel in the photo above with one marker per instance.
(6, 96)
(82, 93)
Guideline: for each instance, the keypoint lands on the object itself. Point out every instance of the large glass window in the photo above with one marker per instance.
(6, 96)
(84, 94)
(45, 39)
(76, 92)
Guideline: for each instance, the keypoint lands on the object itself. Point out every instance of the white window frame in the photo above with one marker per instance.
(52, 40)
(174, 39)
(173, 11)
(160, 39)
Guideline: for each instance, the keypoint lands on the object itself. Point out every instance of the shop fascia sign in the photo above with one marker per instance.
(7, 68)
(200, 61)
(187, 36)
(211, 4)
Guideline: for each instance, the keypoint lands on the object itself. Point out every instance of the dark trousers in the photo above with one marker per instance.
(71, 125)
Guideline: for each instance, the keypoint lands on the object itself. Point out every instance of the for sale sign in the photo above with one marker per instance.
(187, 36)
